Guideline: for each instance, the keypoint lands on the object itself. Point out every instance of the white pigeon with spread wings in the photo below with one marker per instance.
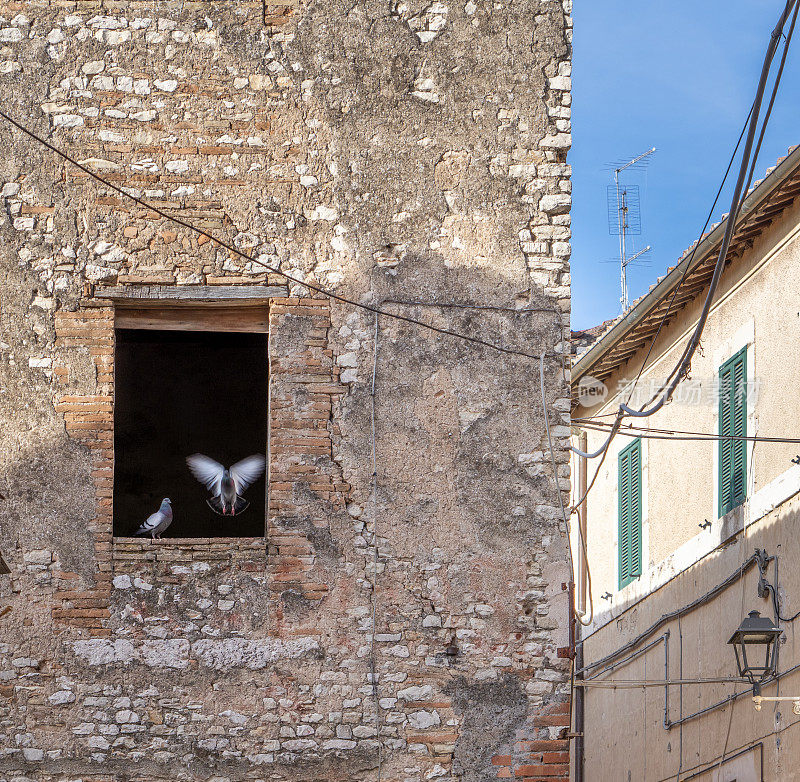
(226, 484)
(157, 522)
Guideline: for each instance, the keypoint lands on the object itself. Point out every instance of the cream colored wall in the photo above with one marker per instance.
(758, 302)
(625, 737)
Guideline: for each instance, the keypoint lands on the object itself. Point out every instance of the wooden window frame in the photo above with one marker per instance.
(243, 318)
(174, 313)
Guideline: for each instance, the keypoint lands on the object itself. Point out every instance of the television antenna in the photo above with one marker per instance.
(625, 219)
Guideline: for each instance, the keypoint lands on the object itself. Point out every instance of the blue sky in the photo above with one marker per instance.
(678, 76)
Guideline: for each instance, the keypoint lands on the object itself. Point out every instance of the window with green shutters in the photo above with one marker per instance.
(630, 513)
(733, 423)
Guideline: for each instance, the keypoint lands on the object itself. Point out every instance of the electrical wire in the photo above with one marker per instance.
(777, 607)
(746, 167)
(669, 616)
(596, 417)
(640, 683)
(689, 260)
(604, 447)
(677, 434)
(682, 367)
(768, 113)
(736, 203)
(745, 192)
(377, 311)
(272, 269)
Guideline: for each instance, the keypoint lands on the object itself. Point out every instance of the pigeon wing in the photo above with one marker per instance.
(207, 471)
(247, 471)
(152, 522)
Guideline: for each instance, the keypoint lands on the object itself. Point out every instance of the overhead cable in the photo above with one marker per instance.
(745, 173)
(635, 684)
(688, 264)
(736, 203)
(272, 269)
(669, 616)
(745, 192)
(677, 434)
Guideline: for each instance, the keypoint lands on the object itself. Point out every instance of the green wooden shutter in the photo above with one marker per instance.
(630, 513)
(733, 423)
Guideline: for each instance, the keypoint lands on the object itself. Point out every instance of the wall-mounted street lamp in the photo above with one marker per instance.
(756, 647)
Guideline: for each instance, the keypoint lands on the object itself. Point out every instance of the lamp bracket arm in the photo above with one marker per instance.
(762, 561)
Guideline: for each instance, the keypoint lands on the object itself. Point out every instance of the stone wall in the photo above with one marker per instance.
(411, 156)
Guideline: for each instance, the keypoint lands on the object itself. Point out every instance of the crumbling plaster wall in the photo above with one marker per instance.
(415, 151)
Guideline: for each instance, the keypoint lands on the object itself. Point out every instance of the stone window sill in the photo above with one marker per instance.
(145, 542)
(187, 550)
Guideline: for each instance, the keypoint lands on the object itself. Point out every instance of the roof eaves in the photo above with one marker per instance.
(693, 257)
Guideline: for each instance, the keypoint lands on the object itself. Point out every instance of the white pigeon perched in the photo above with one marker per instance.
(226, 484)
(158, 521)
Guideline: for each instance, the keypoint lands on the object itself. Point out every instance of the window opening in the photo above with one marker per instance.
(183, 392)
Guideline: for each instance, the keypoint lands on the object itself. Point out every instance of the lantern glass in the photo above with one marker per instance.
(756, 641)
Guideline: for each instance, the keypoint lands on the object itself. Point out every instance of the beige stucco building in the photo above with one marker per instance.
(672, 524)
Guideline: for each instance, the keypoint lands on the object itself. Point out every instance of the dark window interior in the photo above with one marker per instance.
(179, 393)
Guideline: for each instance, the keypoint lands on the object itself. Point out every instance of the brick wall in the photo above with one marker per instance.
(535, 755)
(301, 458)
(89, 419)
(300, 439)
(409, 621)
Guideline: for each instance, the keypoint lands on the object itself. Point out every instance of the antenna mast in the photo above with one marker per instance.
(623, 227)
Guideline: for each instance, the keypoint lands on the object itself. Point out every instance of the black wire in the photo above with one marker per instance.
(773, 589)
(777, 607)
(688, 265)
(788, 39)
(681, 369)
(597, 417)
(668, 617)
(736, 203)
(677, 434)
(711, 213)
(739, 221)
(267, 267)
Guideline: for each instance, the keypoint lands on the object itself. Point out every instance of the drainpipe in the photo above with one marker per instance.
(579, 692)
(582, 564)
(579, 711)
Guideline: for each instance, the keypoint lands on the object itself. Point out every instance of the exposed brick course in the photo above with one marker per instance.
(377, 155)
